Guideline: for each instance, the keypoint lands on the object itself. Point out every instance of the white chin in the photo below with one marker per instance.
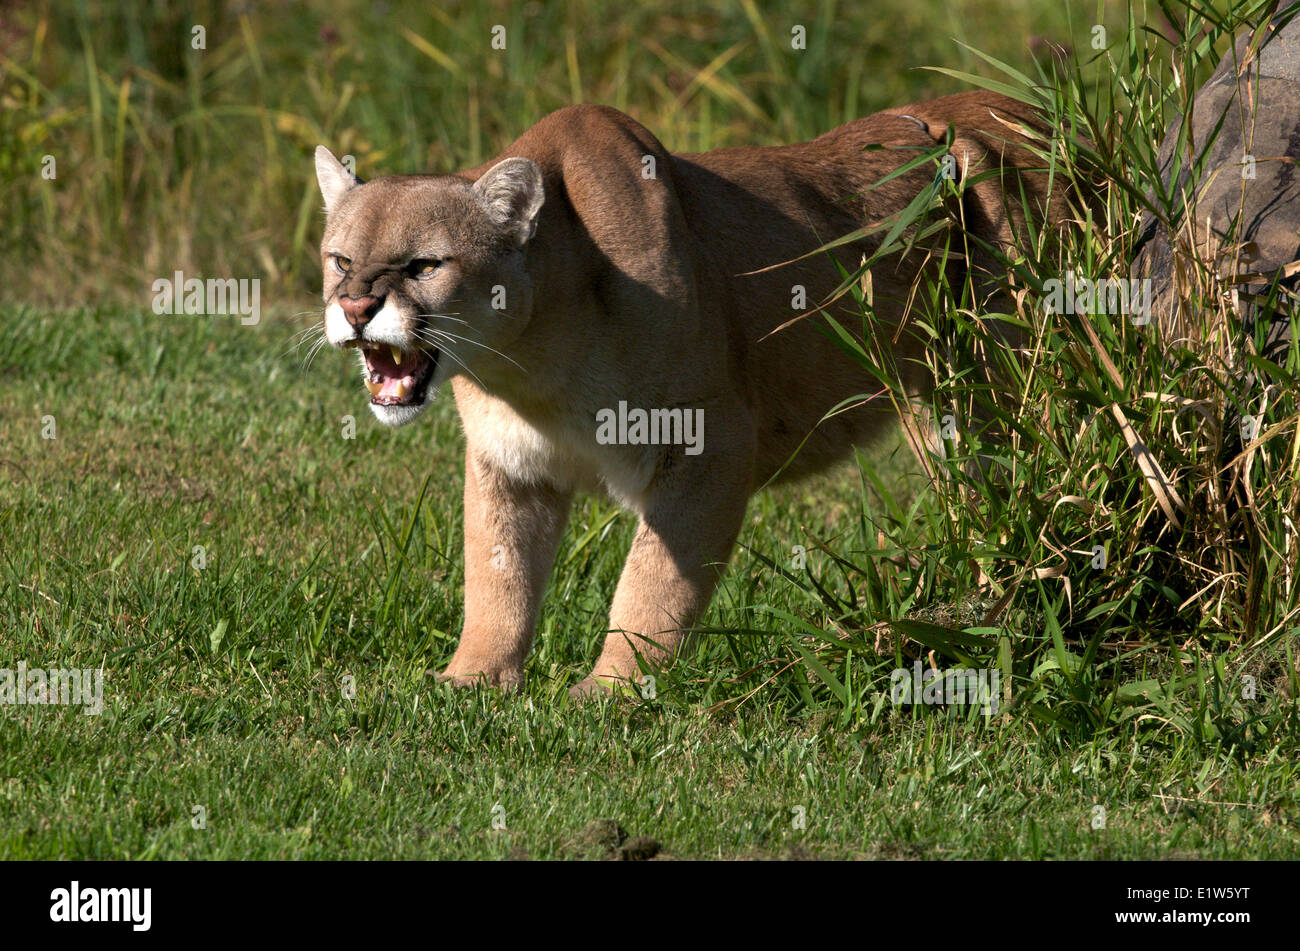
(398, 415)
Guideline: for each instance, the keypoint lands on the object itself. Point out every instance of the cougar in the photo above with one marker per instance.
(605, 313)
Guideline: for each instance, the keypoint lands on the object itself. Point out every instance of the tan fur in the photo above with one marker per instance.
(634, 289)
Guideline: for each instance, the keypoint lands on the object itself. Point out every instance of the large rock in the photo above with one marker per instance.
(1249, 108)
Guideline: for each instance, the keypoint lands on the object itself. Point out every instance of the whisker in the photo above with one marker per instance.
(312, 328)
(451, 336)
(445, 317)
(442, 344)
(302, 339)
(311, 354)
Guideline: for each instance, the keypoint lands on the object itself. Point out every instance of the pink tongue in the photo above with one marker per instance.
(390, 385)
(381, 362)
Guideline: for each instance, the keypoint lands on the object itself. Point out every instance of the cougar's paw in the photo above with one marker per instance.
(504, 678)
(611, 685)
(589, 688)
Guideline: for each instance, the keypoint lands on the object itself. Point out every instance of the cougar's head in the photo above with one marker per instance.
(425, 275)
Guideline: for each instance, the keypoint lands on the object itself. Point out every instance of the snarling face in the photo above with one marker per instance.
(425, 276)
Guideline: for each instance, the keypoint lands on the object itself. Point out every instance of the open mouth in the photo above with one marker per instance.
(396, 377)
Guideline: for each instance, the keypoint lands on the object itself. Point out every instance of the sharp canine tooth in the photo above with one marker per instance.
(397, 355)
(402, 389)
(374, 388)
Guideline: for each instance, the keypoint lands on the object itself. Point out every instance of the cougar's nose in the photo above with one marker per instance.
(359, 310)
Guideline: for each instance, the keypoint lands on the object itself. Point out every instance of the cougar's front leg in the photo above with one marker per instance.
(512, 530)
(689, 522)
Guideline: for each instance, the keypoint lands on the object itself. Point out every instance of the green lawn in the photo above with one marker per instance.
(223, 686)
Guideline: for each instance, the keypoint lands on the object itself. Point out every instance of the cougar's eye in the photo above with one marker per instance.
(424, 268)
(341, 264)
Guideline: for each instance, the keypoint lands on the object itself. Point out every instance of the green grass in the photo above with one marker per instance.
(330, 561)
(197, 431)
(168, 157)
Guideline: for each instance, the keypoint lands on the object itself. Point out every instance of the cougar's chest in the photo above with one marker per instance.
(562, 451)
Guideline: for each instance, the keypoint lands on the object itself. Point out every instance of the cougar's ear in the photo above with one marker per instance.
(512, 192)
(333, 177)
